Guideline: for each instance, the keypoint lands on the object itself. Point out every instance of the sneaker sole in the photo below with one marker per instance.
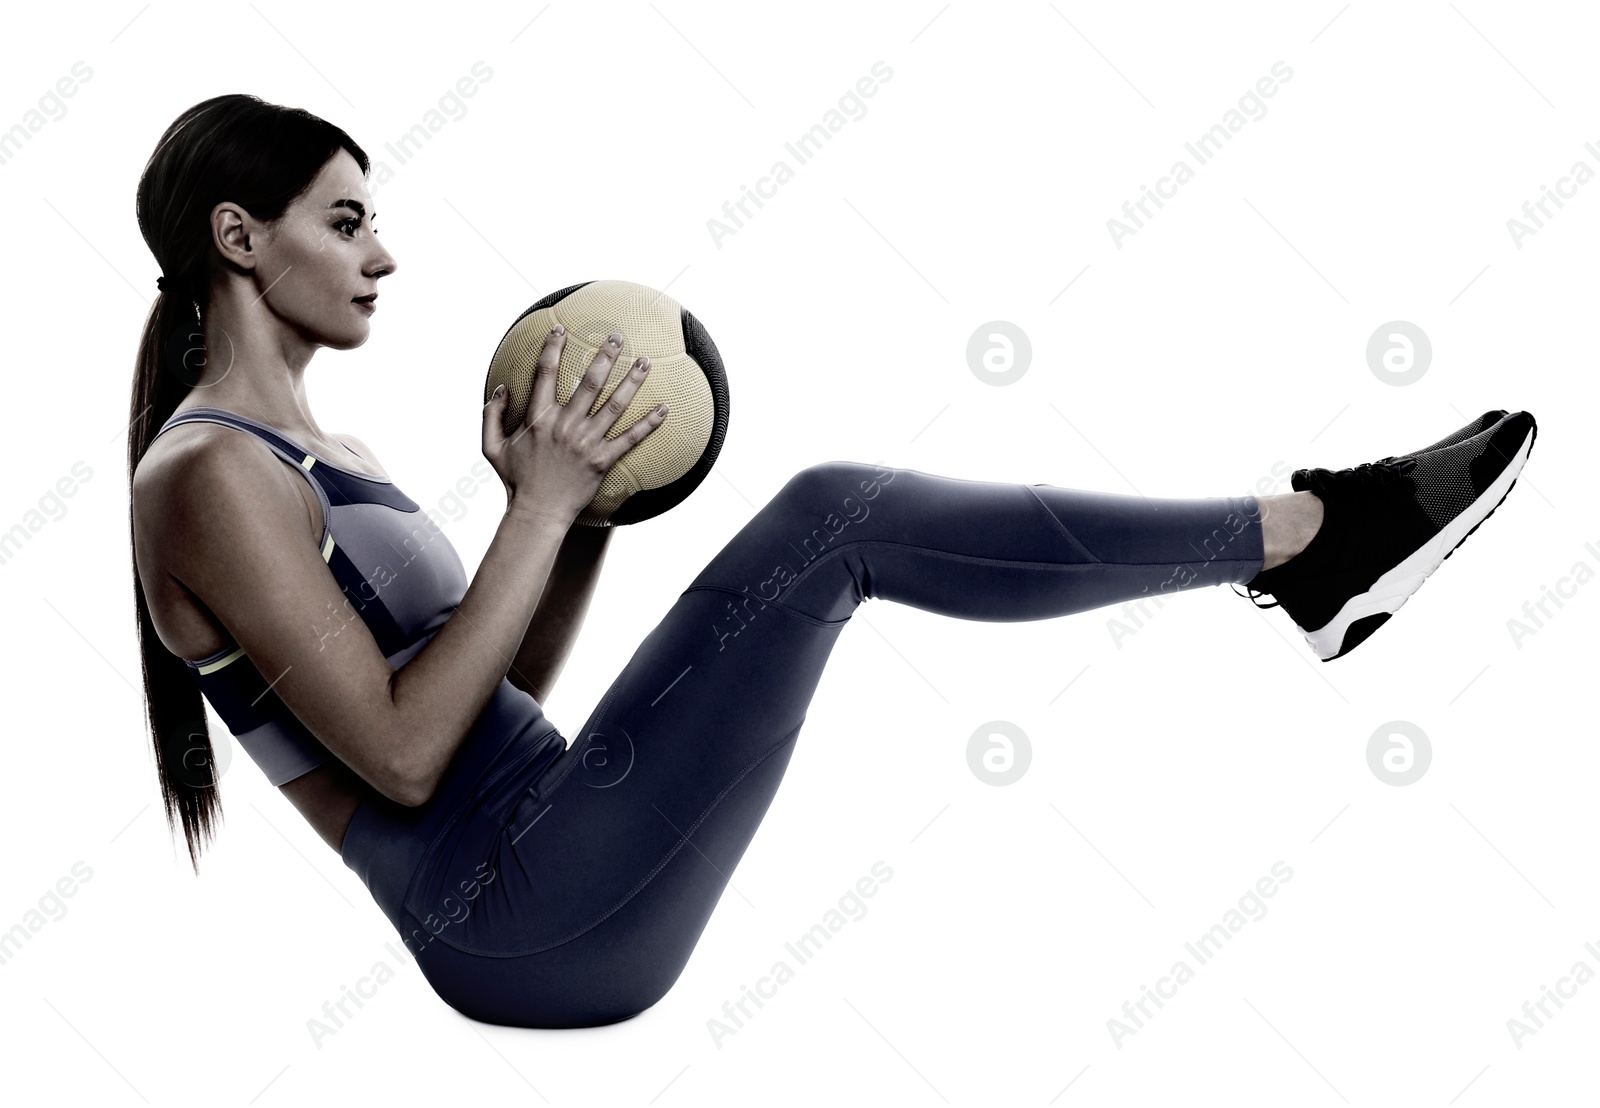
(1366, 612)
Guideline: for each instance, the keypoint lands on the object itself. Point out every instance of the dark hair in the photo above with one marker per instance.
(240, 149)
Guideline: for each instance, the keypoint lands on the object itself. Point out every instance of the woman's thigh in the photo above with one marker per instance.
(589, 889)
(680, 731)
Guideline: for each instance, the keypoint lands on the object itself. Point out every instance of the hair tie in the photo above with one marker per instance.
(161, 282)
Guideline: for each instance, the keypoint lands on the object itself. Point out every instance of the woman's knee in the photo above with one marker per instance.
(813, 511)
(842, 487)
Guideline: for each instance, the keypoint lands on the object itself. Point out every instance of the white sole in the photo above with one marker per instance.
(1389, 592)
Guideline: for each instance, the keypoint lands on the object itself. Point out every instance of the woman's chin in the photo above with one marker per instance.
(350, 339)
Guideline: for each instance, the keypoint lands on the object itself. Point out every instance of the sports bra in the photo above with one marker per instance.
(399, 575)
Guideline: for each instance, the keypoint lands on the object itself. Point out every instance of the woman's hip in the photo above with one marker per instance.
(509, 747)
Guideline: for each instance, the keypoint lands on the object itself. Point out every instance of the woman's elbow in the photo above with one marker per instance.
(414, 796)
(407, 784)
(413, 791)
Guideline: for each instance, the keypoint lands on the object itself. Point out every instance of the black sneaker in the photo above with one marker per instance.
(1477, 426)
(1387, 525)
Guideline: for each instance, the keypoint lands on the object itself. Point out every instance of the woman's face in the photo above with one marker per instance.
(321, 255)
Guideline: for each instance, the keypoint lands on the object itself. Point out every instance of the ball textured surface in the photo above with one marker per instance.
(685, 373)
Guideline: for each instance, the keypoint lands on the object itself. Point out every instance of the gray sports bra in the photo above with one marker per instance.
(399, 575)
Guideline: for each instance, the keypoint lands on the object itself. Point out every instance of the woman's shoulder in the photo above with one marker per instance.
(361, 450)
(186, 447)
(189, 471)
(193, 495)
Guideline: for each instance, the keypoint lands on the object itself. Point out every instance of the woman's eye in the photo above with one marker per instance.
(352, 222)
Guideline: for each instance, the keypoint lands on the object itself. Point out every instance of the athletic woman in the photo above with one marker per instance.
(282, 575)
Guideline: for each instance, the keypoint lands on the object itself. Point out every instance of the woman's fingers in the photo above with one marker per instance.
(573, 419)
(635, 434)
(494, 413)
(621, 396)
(595, 427)
(576, 410)
(545, 369)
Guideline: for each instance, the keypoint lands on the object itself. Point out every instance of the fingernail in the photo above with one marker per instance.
(500, 388)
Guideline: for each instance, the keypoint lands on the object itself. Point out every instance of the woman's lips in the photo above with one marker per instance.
(369, 305)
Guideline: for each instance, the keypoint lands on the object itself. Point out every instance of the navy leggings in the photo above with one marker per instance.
(571, 892)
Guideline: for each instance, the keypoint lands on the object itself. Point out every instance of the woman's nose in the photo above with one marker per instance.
(385, 263)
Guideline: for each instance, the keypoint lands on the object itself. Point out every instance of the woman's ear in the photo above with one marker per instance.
(236, 233)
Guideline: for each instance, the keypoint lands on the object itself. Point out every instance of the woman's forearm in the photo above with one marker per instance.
(554, 627)
(439, 694)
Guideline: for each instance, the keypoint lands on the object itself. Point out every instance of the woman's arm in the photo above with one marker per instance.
(565, 601)
(562, 606)
(223, 517)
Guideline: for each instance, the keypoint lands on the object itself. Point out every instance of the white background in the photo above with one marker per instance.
(1225, 338)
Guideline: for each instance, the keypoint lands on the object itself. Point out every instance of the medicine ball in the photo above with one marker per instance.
(685, 373)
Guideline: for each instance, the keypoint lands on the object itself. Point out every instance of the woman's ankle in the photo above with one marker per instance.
(1288, 524)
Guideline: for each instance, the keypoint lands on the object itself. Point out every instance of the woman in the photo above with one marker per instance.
(397, 706)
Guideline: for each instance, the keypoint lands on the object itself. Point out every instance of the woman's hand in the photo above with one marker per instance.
(555, 461)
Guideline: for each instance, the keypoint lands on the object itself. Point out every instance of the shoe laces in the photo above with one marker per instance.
(1254, 595)
(1364, 477)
